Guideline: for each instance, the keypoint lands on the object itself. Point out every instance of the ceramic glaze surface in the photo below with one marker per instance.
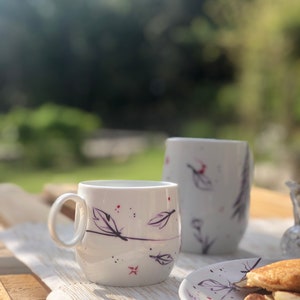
(214, 178)
(132, 232)
(217, 281)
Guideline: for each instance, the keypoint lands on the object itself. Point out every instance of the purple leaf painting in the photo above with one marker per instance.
(216, 286)
(248, 268)
(161, 219)
(192, 297)
(162, 259)
(205, 242)
(201, 181)
(241, 203)
(106, 224)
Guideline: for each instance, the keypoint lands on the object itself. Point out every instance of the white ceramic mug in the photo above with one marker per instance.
(214, 178)
(127, 233)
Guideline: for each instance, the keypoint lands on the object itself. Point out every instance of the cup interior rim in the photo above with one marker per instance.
(127, 184)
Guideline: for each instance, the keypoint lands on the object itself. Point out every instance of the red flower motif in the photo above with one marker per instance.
(133, 270)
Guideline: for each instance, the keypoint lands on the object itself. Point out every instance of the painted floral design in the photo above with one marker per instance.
(192, 297)
(133, 270)
(161, 219)
(108, 226)
(248, 268)
(218, 287)
(200, 179)
(163, 259)
(205, 241)
(241, 203)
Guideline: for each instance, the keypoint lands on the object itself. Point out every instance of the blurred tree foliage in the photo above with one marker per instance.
(217, 68)
(49, 136)
(129, 61)
(261, 39)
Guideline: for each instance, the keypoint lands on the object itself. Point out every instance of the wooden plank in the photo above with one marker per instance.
(51, 191)
(270, 204)
(18, 206)
(23, 287)
(17, 282)
(10, 264)
(3, 293)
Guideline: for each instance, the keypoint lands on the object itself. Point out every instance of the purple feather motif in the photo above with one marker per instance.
(241, 203)
(106, 224)
(205, 241)
(229, 287)
(161, 219)
(163, 259)
(200, 179)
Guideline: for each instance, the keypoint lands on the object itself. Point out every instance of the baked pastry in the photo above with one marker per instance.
(258, 297)
(279, 295)
(282, 275)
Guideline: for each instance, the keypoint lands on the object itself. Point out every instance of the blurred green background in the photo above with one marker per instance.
(80, 79)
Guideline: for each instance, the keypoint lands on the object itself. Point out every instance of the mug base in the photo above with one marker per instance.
(136, 283)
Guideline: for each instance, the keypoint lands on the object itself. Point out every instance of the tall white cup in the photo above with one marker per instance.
(214, 179)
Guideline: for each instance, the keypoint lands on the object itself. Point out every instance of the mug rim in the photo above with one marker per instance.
(126, 184)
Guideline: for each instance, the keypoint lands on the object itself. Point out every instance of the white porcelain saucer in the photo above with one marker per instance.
(216, 282)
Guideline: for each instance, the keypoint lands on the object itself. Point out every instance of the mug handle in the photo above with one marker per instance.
(81, 226)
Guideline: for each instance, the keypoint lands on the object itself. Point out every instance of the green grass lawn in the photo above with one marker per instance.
(144, 166)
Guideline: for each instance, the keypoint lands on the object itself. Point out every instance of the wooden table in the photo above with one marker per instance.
(17, 206)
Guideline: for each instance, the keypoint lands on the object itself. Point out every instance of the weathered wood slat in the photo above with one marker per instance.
(18, 206)
(270, 204)
(23, 287)
(17, 282)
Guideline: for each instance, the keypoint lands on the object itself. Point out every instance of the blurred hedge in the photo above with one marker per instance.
(49, 136)
(210, 68)
(261, 39)
(135, 63)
